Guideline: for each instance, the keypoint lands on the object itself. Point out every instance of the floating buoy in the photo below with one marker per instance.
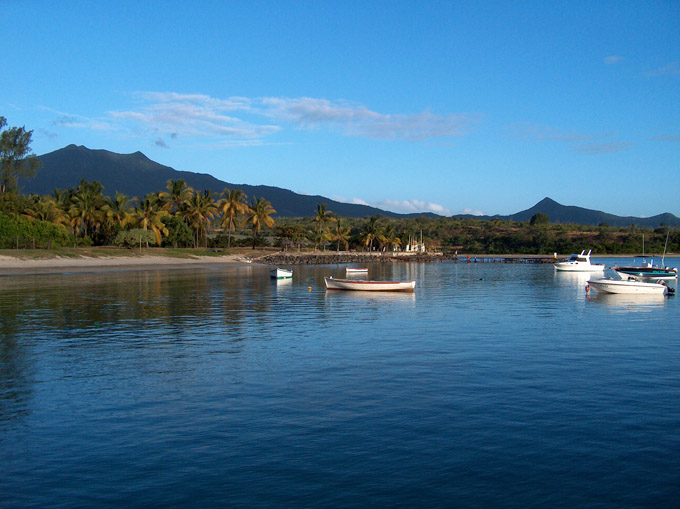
(587, 288)
(309, 288)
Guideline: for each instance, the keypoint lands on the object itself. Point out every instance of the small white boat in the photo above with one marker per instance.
(579, 263)
(369, 286)
(281, 273)
(352, 270)
(629, 286)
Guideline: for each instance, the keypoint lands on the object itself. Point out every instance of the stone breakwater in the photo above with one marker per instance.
(331, 258)
(336, 258)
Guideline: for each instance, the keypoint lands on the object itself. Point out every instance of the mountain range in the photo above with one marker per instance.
(135, 175)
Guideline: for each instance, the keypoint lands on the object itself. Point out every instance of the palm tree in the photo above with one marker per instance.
(118, 210)
(259, 214)
(371, 231)
(150, 215)
(390, 237)
(232, 206)
(177, 194)
(87, 206)
(321, 218)
(341, 234)
(47, 209)
(198, 211)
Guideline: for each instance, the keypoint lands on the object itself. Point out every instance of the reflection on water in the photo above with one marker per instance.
(354, 297)
(491, 384)
(628, 303)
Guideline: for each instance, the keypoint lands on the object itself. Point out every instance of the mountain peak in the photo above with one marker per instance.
(546, 201)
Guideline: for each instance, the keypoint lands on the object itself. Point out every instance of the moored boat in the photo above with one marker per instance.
(369, 286)
(629, 286)
(648, 271)
(279, 273)
(579, 263)
(352, 270)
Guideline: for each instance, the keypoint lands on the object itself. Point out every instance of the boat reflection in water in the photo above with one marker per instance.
(400, 298)
(628, 303)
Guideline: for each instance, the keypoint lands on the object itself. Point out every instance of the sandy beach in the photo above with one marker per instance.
(10, 265)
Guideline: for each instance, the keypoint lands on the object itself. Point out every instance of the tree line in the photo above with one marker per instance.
(180, 216)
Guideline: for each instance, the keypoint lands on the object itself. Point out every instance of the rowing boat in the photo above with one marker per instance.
(369, 286)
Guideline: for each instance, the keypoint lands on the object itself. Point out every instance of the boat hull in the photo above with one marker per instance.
(350, 270)
(645, 273)
(281, 274)
(575, 267)
(369, 286)
(627, 287)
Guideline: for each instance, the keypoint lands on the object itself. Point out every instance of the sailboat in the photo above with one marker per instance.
(647, 271)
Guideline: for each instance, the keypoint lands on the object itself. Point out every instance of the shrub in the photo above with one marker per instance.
(135, 237)
(19, 232)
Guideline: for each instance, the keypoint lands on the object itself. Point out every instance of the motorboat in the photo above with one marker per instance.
(628, 286)
(279, 273)
(369, 286)
(646, 271)
(352, 270)
(579, 263)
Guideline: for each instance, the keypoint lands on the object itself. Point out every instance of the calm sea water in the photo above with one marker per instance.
(493, 385)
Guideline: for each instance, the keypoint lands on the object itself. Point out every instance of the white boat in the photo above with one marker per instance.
(281, 273)
(369, 286)
(629, 286)
(579, 263)
(352, 270)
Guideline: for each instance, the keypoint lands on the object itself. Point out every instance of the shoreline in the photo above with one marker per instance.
(13, 266)
(22, 264)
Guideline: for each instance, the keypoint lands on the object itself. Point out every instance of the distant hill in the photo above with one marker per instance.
(135, 175)
(559, 213)
(571, 214)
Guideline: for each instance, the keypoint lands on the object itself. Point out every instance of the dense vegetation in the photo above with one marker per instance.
(180, 216)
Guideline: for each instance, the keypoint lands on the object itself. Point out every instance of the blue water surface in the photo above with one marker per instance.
(495, 385)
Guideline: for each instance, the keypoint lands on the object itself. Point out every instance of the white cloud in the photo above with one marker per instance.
(250, 121)
(400, 207)
(193, 116)
(473, 212)
(359, 121)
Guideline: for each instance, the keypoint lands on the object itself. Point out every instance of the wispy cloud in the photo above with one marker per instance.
(192, 116)
(586, 143)
(357, 120)
(672, 138)
(671, 69)
(602, 148)
(173, 117)
(613, 59)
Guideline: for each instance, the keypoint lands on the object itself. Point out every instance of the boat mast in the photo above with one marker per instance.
(663, 263)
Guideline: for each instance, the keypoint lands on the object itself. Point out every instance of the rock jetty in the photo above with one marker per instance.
(319, 258)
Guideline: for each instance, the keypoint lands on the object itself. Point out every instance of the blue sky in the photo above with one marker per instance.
(450, 107)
